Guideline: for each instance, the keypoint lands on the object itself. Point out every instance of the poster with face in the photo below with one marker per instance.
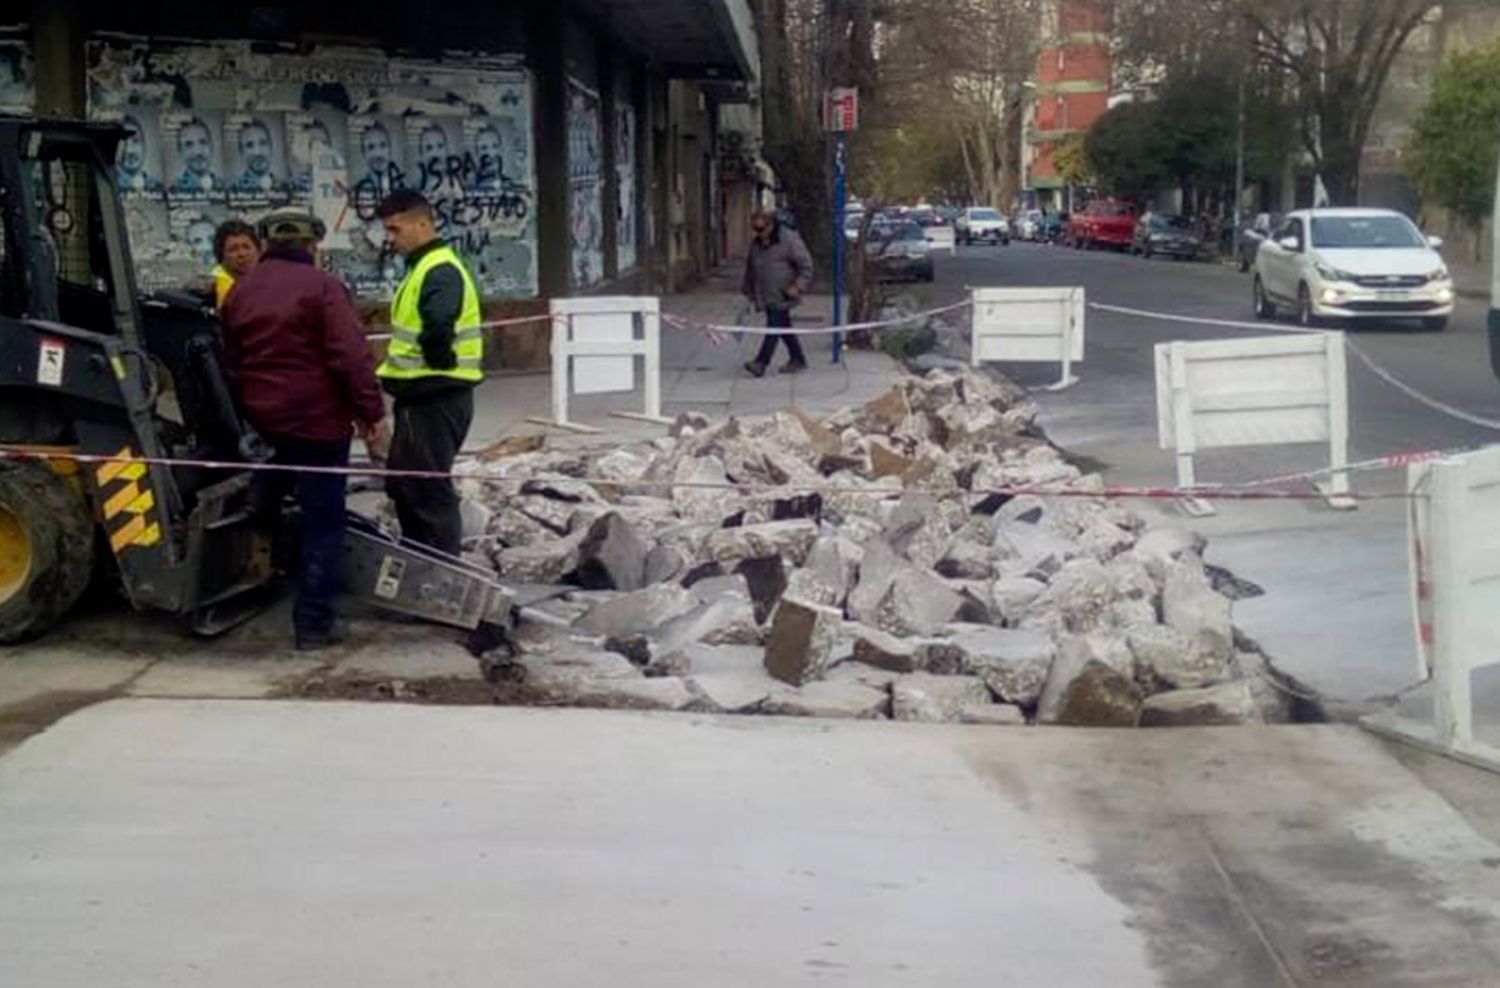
(138, 169)
(192, 234)
(255, 150)
(150, 236)
(585, 174)
(436, 145)
(17, 88)
(625, 250)
(377, 162)
(192, 146)
(315, 139)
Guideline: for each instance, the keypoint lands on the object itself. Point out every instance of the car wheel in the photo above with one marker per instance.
(1264, 307)
(1436, 324)
(1305, 314)
(1147, 253)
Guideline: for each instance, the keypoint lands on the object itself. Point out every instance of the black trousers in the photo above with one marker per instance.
(428, 434)
(320, 497)
(780, 317)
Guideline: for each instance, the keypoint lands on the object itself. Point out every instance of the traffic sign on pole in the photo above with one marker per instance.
(841, 109)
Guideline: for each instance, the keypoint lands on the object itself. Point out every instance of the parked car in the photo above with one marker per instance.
(981, 224)
(1252, 235)
(1103, 223)
(1167, 234)
(1352, 264)
(1028, 224)
(899, 250)
(1053, 228)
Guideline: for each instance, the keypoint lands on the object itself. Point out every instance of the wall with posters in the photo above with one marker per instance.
(17, 76)
(220, 130)
(586, 185)
(626, 254)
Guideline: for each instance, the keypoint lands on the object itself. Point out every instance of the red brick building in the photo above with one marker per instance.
(1072, 86)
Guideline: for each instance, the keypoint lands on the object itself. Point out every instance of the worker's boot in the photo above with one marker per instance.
(756, 368)
(316, 641)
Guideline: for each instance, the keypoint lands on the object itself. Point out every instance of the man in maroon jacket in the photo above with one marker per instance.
(304, 375)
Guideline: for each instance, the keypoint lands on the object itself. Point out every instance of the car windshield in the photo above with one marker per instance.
(892, 232)
(1364, 232)
(1169, 223)
(984, 214)
(1112, 209)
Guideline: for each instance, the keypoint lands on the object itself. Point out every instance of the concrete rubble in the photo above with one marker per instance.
(877, 563)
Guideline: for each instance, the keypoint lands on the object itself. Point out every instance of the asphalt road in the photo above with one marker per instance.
(1337, 610)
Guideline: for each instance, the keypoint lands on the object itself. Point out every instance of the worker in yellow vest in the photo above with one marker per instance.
(435, 359)
(237, 249)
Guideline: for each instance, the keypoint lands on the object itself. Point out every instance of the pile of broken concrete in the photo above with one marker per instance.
(880, 563)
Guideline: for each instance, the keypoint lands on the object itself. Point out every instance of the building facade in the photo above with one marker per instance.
(1071, 90)
(567, 146)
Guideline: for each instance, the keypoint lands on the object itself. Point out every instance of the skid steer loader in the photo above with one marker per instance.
(112, 403)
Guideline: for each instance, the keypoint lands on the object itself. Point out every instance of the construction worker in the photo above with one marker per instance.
(297, 358)
(236, 249)
(434, 361)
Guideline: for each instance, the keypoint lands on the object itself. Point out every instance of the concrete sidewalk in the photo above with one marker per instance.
(206, 844)
(699, 374)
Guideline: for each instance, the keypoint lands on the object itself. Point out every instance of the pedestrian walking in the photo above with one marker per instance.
(435, 359)
(778, 272)
(297, 359)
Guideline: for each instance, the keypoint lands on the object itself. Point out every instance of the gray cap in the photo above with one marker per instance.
(291, 224)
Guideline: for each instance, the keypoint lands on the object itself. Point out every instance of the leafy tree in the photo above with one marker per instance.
(1451, 155)
(1123, 151)
(1071, 159)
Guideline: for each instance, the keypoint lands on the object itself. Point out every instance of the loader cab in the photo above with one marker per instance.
(65, 255)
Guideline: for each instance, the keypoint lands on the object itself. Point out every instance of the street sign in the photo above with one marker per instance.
(841, 109)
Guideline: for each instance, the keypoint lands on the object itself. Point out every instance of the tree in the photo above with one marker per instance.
(1339, 56)
(1451, 154)
(1123, 152)
(1071, 159)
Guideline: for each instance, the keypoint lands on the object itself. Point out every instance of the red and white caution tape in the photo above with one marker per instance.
(682, 322)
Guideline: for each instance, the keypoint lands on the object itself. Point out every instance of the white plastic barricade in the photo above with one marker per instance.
(941, 238)
(1455, 537)
(1029, 325)
(1262, 391)
(595, 343)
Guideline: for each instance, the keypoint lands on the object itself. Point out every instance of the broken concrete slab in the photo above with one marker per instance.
(875, 648)
(546, 561)
(922, 696)
(800, 643)
(1225, 704)
(1192, 606)
(660, 693)
(791, 540)
(612, 556)
(917, 603)
(828, 573)
(638, 612)
(1013, 663)
(845, 701)
(1083, 691)
(1167, 658)
(994, 714)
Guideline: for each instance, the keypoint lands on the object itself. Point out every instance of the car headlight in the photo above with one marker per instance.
(1441, 274)
(1329, 273)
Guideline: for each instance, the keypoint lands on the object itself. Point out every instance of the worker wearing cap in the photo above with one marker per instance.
(236, 249)
(297, 359)
(435, 359)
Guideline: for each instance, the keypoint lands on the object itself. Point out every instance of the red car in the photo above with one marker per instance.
(1103, 223)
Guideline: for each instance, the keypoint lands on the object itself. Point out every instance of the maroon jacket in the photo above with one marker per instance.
(296, 352)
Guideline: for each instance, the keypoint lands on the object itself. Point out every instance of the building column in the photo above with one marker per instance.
(547, 39)
(57, 48)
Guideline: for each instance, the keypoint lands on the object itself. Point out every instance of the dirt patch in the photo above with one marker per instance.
(19, 721)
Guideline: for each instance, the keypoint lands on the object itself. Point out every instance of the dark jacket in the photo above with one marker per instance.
(440, 305)
(771, 268)
(296, 353)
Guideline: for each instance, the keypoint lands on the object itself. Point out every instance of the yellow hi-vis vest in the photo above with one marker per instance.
(223, 282)
(404, 360)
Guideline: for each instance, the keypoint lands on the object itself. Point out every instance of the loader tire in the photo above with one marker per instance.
(46, 549)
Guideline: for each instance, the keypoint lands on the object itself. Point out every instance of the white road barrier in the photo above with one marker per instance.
(941, 238)
(595, 342)
(1030, 325)
(1455, 538)
(1254, 392)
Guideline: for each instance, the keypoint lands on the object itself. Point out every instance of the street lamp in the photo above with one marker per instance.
(1028, 101)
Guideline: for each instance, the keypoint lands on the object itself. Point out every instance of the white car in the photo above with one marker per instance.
(1029, 225)
(1351, 264)
(980, 224)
